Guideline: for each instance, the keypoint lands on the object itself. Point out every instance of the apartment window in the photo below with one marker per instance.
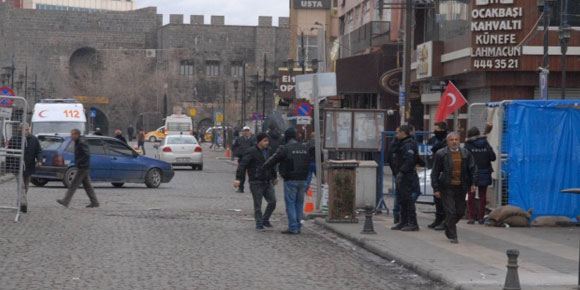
(310, 49)
(366, 12)
(186, 68)
(212, 68)
(349, 22)
(237, 69)
(573, 12)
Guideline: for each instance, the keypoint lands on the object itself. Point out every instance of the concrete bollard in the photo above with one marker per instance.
(368, 227)
(512, 279)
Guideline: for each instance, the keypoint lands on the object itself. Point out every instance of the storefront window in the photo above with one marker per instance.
(453, 18)
(573, 13)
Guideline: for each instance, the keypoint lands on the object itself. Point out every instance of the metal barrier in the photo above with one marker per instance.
(479, 115)
(421, 137)
(13, 116)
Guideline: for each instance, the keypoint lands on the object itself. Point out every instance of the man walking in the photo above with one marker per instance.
(454, 174)
(406, 177)
(241, 145)
(32, 158)
(262, 180)
(82, 162)
(294, 159)
(141, 141)
(119, 136)
(438, 142)
(130, 132)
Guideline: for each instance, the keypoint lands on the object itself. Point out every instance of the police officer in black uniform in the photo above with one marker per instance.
(406, 175)
(294, 158)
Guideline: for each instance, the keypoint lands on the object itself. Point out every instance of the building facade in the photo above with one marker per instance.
(131, 68)
(79, 5)
(492, 50)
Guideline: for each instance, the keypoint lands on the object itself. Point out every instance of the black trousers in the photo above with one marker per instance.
(405, 198)
(243, 179)
(439, 210)
(453, 200)
(263, 190)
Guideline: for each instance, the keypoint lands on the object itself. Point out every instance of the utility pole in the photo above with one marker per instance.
(303, 53)
(224, 129)
(565, 32)
(243, 94)
(545, 71)
(407, 58)
(264, 89)
(257, 99)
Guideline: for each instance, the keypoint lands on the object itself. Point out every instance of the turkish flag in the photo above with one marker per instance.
(451, 101)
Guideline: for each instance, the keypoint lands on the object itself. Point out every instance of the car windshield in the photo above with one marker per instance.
(56, 127)
(185, 140)
(50, 142)
(180, 127)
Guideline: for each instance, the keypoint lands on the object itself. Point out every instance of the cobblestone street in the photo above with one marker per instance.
(193, 233)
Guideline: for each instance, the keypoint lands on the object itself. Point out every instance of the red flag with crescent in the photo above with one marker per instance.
(451, 101)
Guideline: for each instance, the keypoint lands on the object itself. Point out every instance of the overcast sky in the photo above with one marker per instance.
(237, 12)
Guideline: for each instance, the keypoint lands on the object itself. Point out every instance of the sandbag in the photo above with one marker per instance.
(497, 217)
(517, 221)
(550, 221)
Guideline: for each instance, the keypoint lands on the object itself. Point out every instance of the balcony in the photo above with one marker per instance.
(371, 34)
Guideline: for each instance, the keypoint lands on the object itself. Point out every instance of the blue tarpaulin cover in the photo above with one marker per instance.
(544, 156)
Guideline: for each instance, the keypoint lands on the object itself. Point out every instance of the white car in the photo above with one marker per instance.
(181, 150)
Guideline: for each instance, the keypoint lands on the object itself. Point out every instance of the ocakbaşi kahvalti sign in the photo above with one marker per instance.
(312, 4)
(496, 27)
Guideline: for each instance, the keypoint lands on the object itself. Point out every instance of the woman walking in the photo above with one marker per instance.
(484, 155)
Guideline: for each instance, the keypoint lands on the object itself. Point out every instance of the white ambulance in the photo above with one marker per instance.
(177, 124)
(58, 116)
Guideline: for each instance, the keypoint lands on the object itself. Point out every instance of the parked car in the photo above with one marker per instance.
(157, 135)
(181, 150)
(111, 161)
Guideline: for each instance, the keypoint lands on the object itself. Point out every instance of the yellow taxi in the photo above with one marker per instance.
(156, 136)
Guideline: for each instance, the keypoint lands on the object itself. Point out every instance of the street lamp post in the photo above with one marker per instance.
(236, 89)
(565, 34)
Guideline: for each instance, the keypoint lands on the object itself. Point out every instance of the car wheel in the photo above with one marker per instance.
(152, 139)
(194, 167)
(200, 167)
(39, 181)
(118, 184)
(153, 178)
(69, 175)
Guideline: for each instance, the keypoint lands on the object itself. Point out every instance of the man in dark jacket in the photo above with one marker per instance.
(262, 180)
(454, 174)
(83, 174)
(130, 132)
(294, 159)
(406, 177)
(241, 145)
(274, 137)
(483, 154)
(32, 158)
(438, 142)
(119, 136)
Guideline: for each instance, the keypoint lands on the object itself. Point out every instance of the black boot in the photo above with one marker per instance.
(435, 223)
(412, 226)
(24, 208)
(403, 222)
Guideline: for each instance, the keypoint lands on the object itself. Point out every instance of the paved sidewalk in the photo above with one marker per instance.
(548, 256)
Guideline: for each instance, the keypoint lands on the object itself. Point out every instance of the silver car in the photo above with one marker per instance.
(181, 150)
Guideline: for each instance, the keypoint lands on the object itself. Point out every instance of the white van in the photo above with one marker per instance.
(178, 124)
(58, 116)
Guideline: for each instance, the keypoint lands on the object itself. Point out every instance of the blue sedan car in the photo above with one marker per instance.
(111, 161)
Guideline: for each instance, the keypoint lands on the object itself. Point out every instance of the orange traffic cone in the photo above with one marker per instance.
(228, 152)
(309, 206)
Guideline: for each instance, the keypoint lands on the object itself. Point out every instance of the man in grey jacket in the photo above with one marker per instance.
(454, 173)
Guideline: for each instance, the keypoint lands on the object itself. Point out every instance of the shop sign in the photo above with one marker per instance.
(495, 27)
(312, 4)
(287, 87)
(425, 60)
